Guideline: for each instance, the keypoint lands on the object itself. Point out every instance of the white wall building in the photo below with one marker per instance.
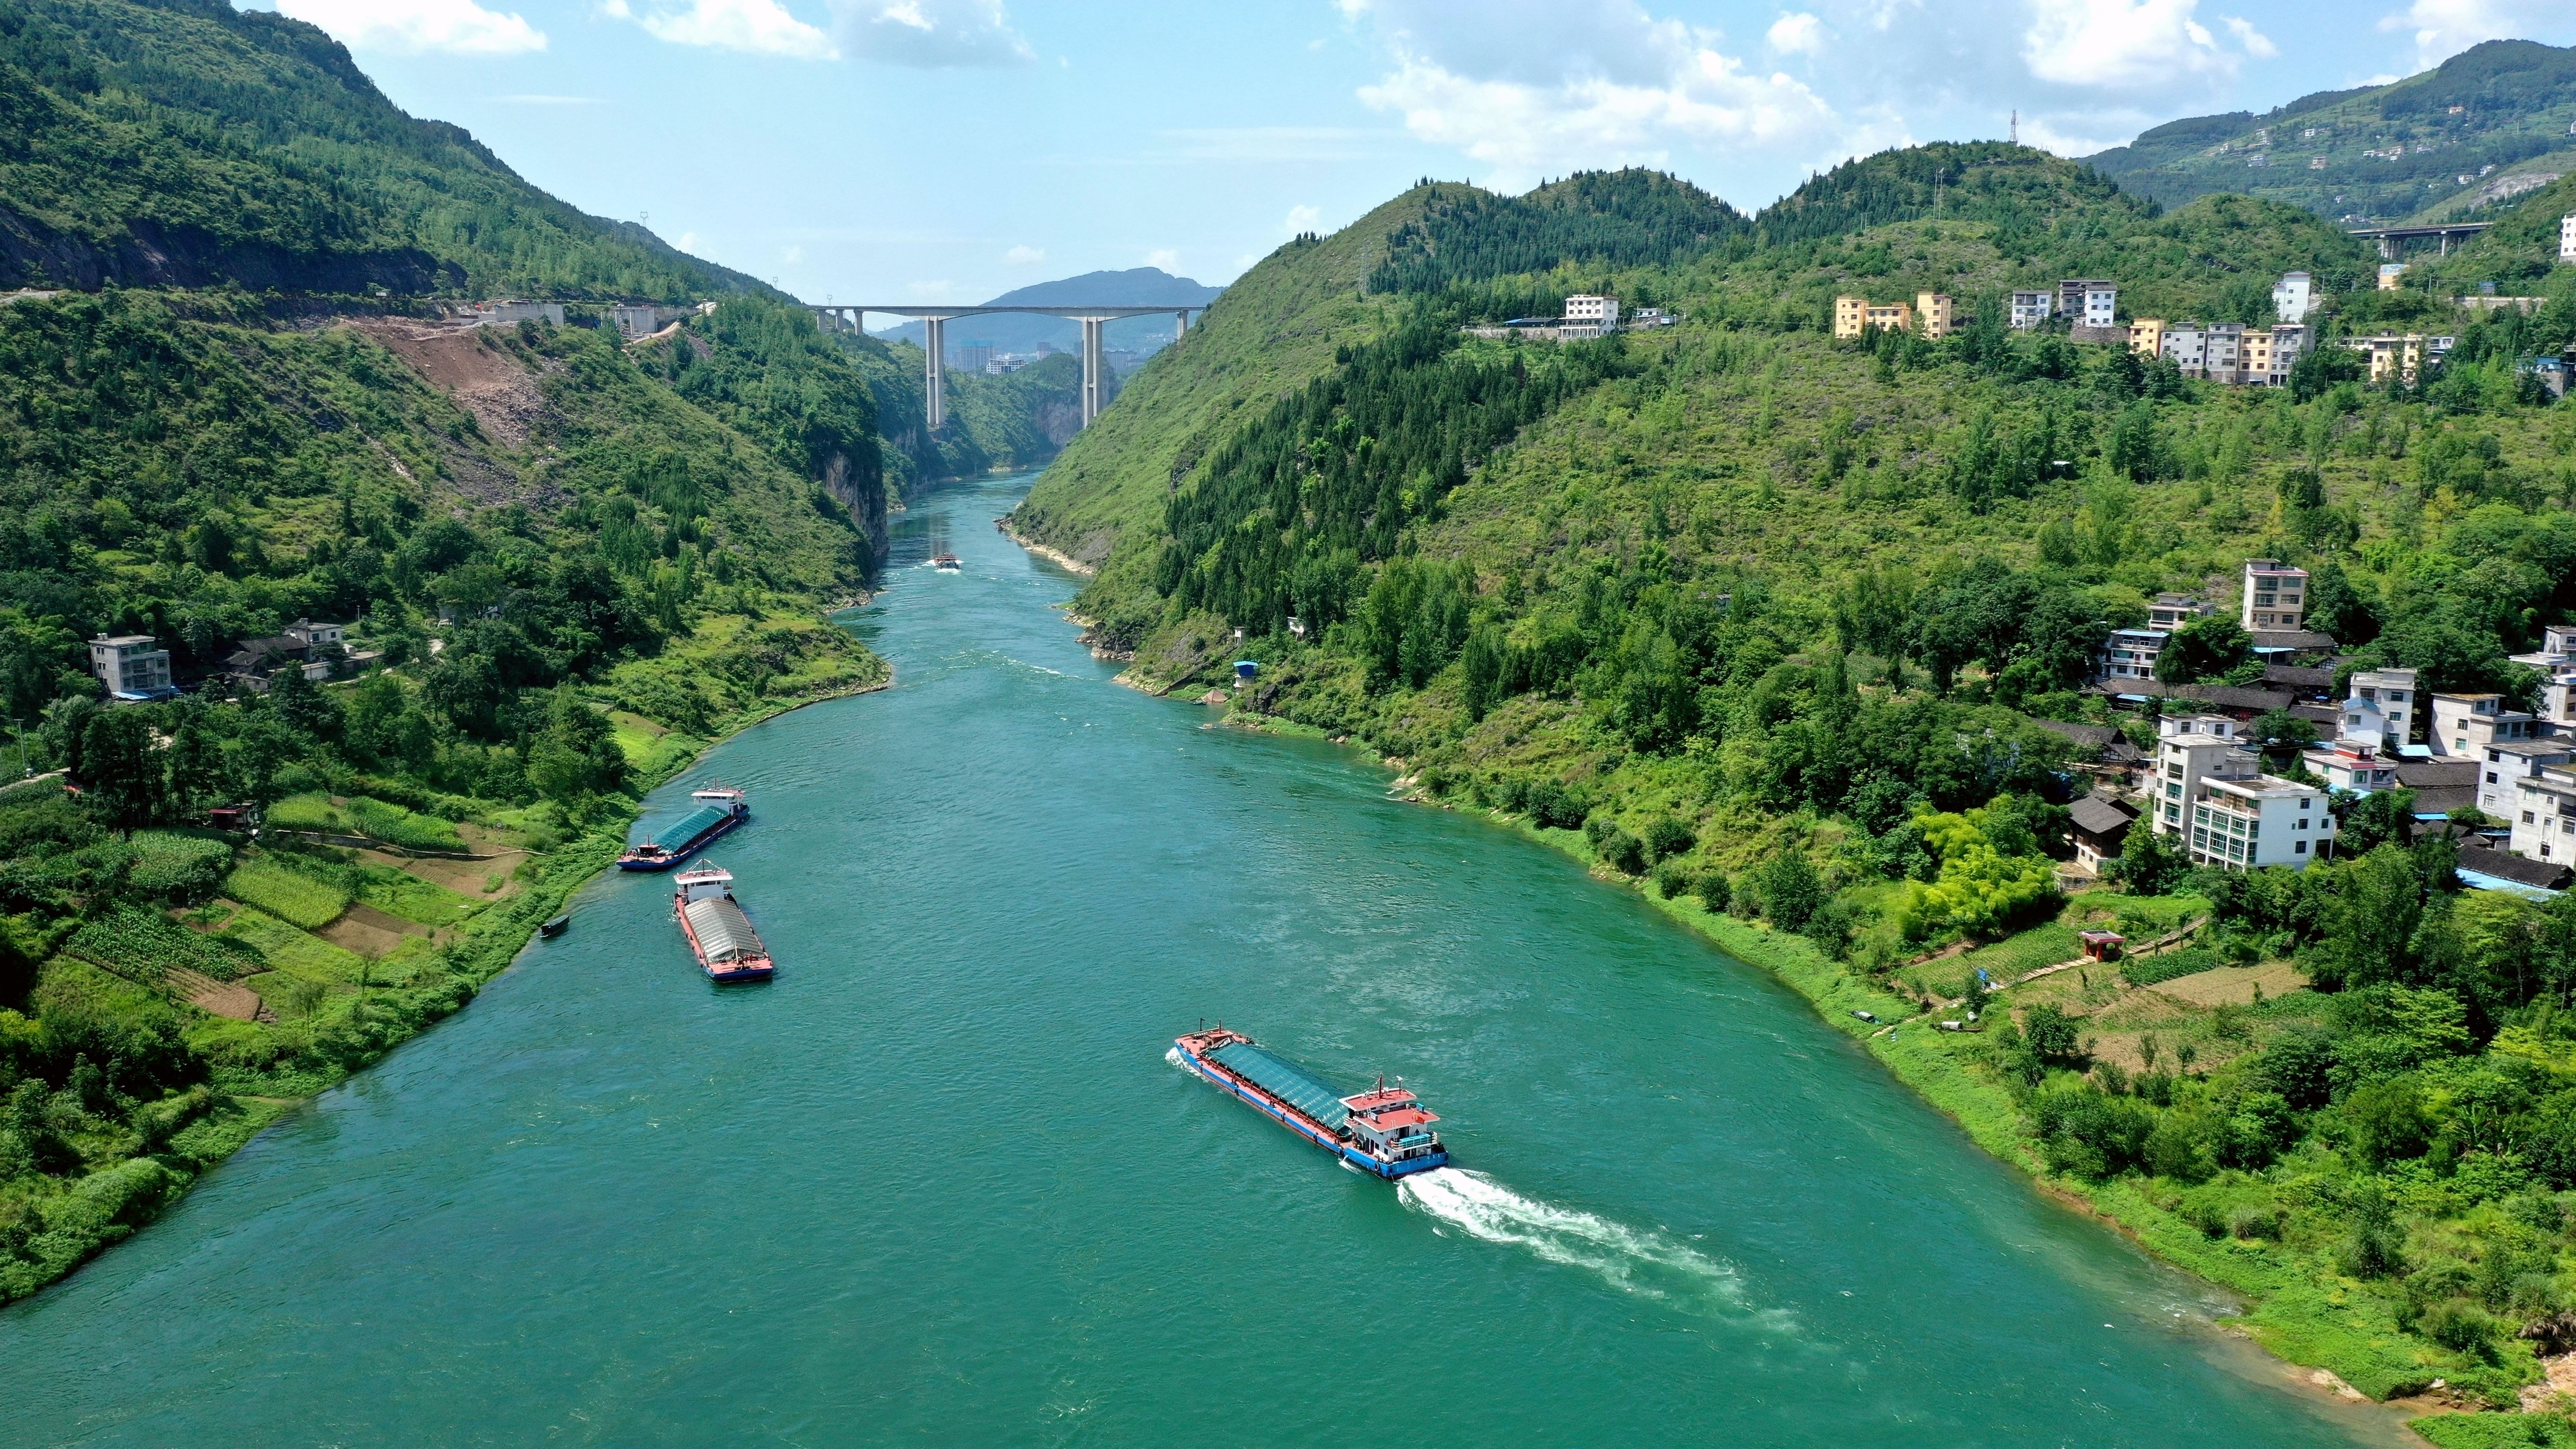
(2172, 611)
(2029, 310)
(2567, 227)
(2213, 351)
(2544, 817)
(2556, 660)
(2393, 693)
(2276, 595)
(2264, 820)
(2508, 765)
(2464, 725)
(2292, 296)
(1602, 312)
(129, 663)
(2131, 653)
(2191, 749)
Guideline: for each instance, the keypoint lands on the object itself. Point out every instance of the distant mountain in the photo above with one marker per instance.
(1139, 287)
(2378, 152)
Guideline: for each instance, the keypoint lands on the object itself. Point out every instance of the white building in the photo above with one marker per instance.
(2291, 297)
(2088, 303)
(2276, 595)
(2464, 725)
(2393, 694)
(2352, 762)
(2508, 765)
(2172, 611)
(2544, 817)
(2131, 654)
(2029, 310)
(2189, 750)
(1602, 312)
(2556, 660)
(317, 636)
(509, 312)
(2263, 820)
(2213, 351)
(2567, 225)
(130, 664)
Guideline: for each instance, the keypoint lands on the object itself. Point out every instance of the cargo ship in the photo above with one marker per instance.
(721, 935)
(1384, 1131)
(946, 563)
(719, 808)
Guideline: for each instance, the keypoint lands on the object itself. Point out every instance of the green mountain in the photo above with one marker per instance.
(573, 560)
(1792, 632)
(2380, 153)
(186, 143)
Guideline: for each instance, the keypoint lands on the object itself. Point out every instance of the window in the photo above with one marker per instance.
(2299, 847)
(2526, 817)
(2491, 779)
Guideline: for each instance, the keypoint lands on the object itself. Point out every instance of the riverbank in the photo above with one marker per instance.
(200, 1128)
(1055, 556)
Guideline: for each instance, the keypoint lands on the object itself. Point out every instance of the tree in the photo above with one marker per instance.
(2149, 864)
(2380, 818)
(577, 754)
(2203, 648)
(1789, 889)
(195, 765)
(120, 774)
(2338, 608)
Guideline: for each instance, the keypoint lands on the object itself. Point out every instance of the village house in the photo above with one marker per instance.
(2275, 596)
(2464, 725)
(2393, 695)
(132, 666)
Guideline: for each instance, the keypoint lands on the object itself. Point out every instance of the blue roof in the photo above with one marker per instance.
(687, 828)
(1285, 1080)
(2480, 880)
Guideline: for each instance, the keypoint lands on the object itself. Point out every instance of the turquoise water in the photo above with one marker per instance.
(938, 1184)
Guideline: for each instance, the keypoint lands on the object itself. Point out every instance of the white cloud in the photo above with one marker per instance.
(762, 27)
(939, 34)
(1024, 256)
(1799, 34)
(795, 256)
(1302, 218)
(2444, 28)
(1166, 258)
(2126, 45)
(689, 243)
(1530, 86)
(2254, 42)
(940, 291)
(457, 26)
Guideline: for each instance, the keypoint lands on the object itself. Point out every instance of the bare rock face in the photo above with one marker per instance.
(33, 254)
(1213, 696)
(860, 488)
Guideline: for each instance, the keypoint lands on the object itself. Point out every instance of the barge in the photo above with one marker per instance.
(719, 808)
(728, 949)
(1383, 1131)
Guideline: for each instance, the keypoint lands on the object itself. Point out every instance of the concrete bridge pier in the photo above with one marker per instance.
(1094, 363)
(934, 388)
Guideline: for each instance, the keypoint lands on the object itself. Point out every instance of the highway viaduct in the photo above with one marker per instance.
(1095, 365)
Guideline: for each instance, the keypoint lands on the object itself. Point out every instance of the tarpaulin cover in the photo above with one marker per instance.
(724, 932)
(1285, 1080)
(688, 827)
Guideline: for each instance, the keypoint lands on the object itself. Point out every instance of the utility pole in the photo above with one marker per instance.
(2016, 126)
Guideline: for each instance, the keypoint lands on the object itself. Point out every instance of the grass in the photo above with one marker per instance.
(289, 895)
(397, 893)
(362, 815)
(292, 951)
(2496, 1431)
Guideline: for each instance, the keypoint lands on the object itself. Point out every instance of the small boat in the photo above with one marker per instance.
(946, 563)
(1383, 1131)
(555, 927)
(727, 948)
(719, 808)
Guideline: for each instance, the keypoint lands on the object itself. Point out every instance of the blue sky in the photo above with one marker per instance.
(947, 150)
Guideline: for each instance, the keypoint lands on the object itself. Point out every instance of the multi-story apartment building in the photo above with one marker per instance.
(2567, 237)
(1601, 312)
(2544, 816)
(2259, 820)
(2465, 725)
(2276, 595)
(2147, 336)
(2172, 611)
(2508, 765)
(2088, 303)
(1858, 317)
(1938, 313)
(130, 664)
(2131, 654)
(2190, 749)
(2402, 356)
(2211, 351)
(2353, 762)
(2029, 310)
(2270, 353)
(2392, 693)
(2292, 296)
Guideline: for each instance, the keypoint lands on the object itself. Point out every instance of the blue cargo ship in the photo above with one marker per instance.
(1383, 1131)
(719, 808)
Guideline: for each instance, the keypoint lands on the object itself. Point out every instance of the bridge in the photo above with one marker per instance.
(934, 389)
(2389, 236)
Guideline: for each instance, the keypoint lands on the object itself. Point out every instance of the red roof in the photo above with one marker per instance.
(1403, 1117)
(1382, 1097)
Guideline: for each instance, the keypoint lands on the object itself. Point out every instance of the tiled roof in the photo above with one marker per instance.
(2298, 639)
(2098, 815)
(2438, 774)
(2503, 865)
(2082, 734)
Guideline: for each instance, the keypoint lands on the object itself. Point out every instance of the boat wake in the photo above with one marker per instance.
(1645, 1263)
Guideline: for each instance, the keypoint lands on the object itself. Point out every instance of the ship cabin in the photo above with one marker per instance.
(1390, 1124)
(704, 883)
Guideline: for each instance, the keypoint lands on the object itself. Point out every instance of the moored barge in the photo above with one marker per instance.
(718, 808)
(728, 949)
(1384, 1131)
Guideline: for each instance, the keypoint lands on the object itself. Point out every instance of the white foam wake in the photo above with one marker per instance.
(1633, 1261)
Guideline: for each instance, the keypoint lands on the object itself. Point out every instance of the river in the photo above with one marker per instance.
(938, 1185)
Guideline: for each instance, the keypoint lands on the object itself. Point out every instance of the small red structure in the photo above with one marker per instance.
(2102, 945)
(231, 817)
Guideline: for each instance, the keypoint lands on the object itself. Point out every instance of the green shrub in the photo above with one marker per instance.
(289, 895)
(1715, 891)
(2148, 970)
(394, 825)
(181, 868)
(2496, 1431)
(1666, 837)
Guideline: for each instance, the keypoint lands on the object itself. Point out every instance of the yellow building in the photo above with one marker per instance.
(1940, 314)
(2392, 355)
(2392, 275)
(1855, 316)
(2147, 337)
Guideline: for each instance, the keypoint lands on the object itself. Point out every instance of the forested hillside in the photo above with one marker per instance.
(183, 142)
(1790, 631)
(564, 563)
(2386, 152)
